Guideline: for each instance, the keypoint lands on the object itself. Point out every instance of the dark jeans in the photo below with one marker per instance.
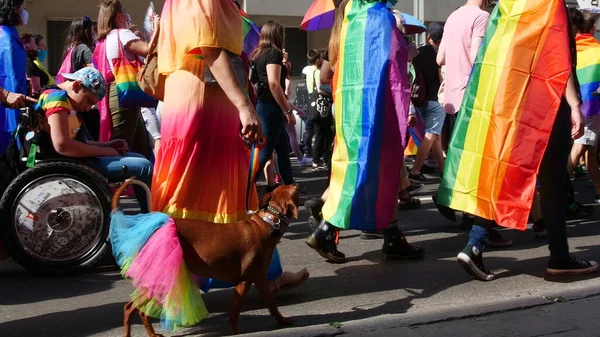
(553, 189)
(309, 133)
(323, 140)
(273, 128)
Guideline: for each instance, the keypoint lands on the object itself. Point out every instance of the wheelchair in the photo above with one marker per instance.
(55, 213)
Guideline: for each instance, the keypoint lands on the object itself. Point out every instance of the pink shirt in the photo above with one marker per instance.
(462, 25)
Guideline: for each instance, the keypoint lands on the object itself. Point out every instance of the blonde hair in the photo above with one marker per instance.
(106, 17)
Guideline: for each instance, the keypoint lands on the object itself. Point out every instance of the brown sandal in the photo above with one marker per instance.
(407, 202)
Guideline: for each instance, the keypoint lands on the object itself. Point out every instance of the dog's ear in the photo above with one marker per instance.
(291, 210)
(264, 201)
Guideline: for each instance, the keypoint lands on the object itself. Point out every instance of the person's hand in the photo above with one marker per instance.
(576, 123)
(15, 101)
(290, 119)
(120, 145)
(110, 152)
(251, 127)
(412, 121)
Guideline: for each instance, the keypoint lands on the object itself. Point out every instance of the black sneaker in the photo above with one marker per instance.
(323, 240)
(395, 246)
(571, 266)
(313, 208)
(417, 178)
(371, 235)
(428, 169)
(471, 260)
(539, 229)
(577, 210)
(414, 187)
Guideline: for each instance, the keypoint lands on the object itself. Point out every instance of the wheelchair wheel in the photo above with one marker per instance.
(54, 218)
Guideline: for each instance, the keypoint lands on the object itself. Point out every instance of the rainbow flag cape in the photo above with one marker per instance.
(508, 111)
(588, 73)
(372, 96)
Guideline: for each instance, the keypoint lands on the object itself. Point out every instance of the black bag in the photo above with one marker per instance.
(418, 90)
(319, 108)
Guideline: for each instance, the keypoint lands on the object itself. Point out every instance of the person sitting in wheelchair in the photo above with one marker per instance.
(60, 105)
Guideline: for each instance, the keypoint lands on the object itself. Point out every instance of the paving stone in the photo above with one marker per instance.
(404, 332)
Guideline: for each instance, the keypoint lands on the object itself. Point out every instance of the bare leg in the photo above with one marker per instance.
(269, 300)
(147, 321)
(325, 194)
(591, 161)
(404, 182)
(536, 211)
(577, 152)
(423, 152)
(438, 153)
(127, 313)
(156, 146)
(238, 296)
(270, 173)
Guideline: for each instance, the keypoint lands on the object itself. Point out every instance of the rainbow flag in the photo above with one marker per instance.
(588, 73)
(251, 33)
(372, 96)
(508, 111)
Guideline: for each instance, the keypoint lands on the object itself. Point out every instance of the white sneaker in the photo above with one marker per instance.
(305, 162)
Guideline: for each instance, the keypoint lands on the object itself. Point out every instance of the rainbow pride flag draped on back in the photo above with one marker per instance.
(508, 111)
(372, 96)
(588, 73)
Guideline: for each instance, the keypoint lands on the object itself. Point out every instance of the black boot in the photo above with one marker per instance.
(395, 246)
(323, 240)
(313, 208)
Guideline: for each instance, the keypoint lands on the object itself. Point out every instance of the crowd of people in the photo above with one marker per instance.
(359, 106)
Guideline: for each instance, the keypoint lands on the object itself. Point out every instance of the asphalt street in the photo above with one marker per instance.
(364, 297)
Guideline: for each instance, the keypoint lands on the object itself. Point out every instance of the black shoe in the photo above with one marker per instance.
(313, 208)
(577, 211)
(417, 178)
(471, 260)
(467, 222)
(571, 266)
(496, 240)
(395, 246)
(323, 240)
(428, 169)
(414, 187)
(371, 235)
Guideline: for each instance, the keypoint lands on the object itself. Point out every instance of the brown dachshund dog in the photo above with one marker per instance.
(239, 252)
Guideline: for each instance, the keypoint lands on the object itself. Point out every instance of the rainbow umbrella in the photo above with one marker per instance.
(251, 34)
(320, 15)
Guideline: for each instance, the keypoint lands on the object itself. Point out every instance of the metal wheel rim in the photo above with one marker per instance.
(57, 219)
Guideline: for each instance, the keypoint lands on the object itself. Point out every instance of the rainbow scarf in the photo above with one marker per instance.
(588, 73)
(372, 96)
(507, 114)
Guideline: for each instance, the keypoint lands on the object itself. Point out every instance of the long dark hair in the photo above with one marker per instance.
(271, 36)
(8, 15)
(80, 32)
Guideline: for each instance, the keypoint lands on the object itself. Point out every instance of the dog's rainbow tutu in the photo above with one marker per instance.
(147, 249)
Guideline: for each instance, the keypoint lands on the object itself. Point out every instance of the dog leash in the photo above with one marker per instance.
(253, 168)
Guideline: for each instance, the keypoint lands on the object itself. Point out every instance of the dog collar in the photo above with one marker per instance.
(274, 218)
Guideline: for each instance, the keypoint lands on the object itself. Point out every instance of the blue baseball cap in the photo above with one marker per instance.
(91, 79)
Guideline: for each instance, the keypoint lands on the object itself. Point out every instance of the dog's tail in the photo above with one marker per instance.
(118, 192)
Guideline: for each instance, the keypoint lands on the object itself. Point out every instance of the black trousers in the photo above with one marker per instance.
(555, 190)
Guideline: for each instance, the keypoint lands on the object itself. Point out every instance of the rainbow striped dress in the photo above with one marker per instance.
(507, 114)
(372, 97)
(588, 73)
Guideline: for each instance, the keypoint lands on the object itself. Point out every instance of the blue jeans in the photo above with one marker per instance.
(273, 128)
(137, 166)
(433, 115)
(309, 133)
